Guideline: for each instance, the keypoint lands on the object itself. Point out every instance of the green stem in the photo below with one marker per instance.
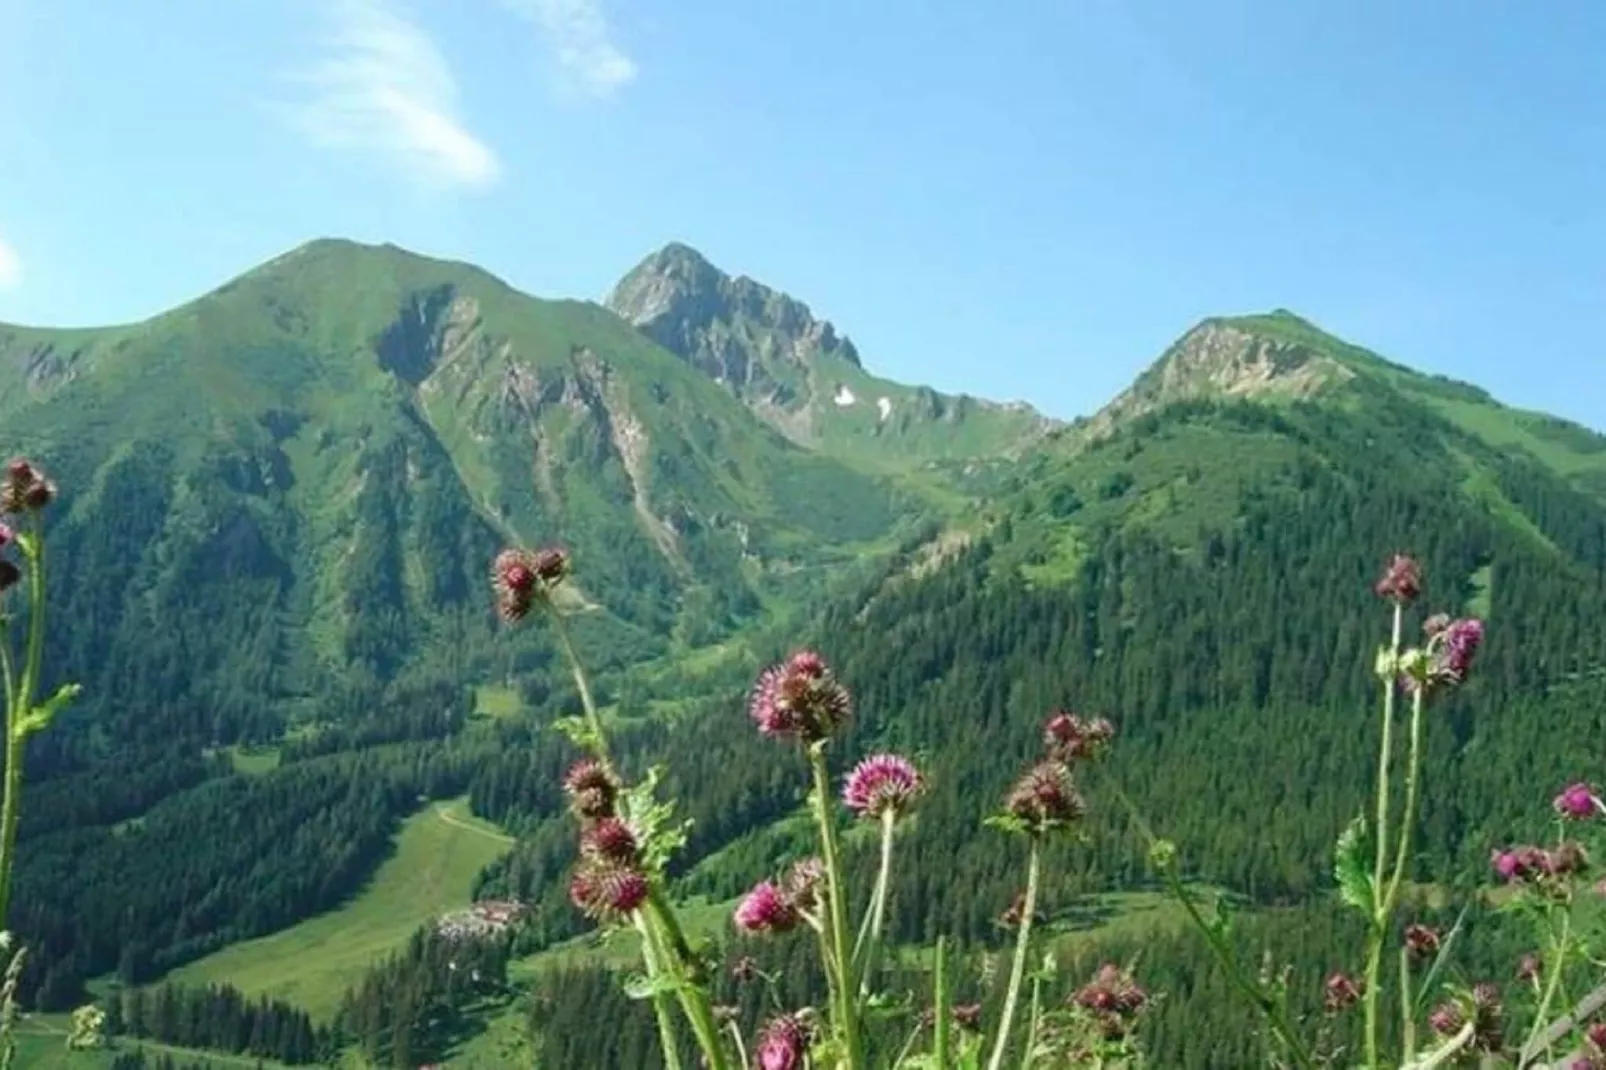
(1276, 1015)
(868, 946)
(1017, 969)
(693, 997)
(939, 1041)
(1407, 1008)
(1034, 1021)
(1557, 964)
(847, 1007)
(1413, 785)
(583, 685)
(18, 707)
(650, 954)
(1374, 940)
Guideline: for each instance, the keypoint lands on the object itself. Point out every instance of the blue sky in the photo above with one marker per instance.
(1018, 199)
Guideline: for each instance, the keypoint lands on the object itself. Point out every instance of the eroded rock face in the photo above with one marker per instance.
(1223, 360)
(735, 330)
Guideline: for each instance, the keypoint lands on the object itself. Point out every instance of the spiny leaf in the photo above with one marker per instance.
(1354, 883)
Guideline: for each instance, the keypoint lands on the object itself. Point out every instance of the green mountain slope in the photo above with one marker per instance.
(803, 377)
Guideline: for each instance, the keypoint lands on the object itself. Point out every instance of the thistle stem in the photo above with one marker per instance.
(939, 1040)
(583, 685)
(1017, 969)
(18, 706)
(1374, 940)
(1558, 963)
(868, 946)
(847, 1006)
(1407, 1008)
(660, 1000)
(693, 997)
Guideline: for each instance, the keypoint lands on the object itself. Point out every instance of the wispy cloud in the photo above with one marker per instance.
(10, 266)
(577, 33)
(383, 87)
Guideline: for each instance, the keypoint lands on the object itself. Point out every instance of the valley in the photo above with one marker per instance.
(304, 735)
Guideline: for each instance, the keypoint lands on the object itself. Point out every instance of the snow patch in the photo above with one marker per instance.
(844, 396)
(885, 405)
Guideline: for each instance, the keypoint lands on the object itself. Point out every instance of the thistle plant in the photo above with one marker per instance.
(25, 493)
(626, 838)
(1470, 1022)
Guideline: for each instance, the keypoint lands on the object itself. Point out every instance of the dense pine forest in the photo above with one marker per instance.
(1199, 570)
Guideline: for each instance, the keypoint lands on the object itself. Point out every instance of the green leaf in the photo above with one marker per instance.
(1008, 823)
(39, 718)
(640, 986)
(1354, 883)
(578, 731)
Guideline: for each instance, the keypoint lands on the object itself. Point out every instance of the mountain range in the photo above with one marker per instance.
(279, 501)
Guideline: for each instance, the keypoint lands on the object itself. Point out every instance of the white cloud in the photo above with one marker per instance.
(577, 32)
(384, 87)
(10, 267)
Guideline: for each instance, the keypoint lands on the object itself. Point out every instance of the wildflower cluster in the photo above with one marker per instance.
(800, 700)
(23, 489)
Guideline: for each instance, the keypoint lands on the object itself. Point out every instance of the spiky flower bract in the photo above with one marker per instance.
(766, 909)
(882, 783)
(800, 698)
(23, 488)
(784, 1044)
(1070, 738)
(607, 892)
(1401, 581)
(592, 790)
(610, 840)
(521, 578)
(1045, 796)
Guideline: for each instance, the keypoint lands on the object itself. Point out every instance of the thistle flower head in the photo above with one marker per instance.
(784, 1044)
(1568, 858)
(967, 1016)
(1012, 915)
(1595, 1037)
(1446, 1019)
(23, 488)
(1453, 649)
(609, 840)
(1519, 863)
(804, 883)
(1070, 738)
(1340, 992)
(1578, 801)
(881, 784)
(1486, 1014)
(522, 577)
(592, 790)
(606, 892)
(1421, 941)
(1045, 796)
(800, 698)
(1401, 581)
(766, 909)
(1113, 997)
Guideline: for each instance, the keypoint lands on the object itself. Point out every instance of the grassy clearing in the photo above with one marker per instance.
(254, 760)
(42, 1045)
(496, 703)
(438, 854)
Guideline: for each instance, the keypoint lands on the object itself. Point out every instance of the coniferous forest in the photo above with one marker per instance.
(1200, 571)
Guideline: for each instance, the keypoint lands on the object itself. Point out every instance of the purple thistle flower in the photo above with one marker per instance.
(1455, 647)
(1578, 801)
(1341, 993)
(1045, 796)
(801, 698)
(1071, 738)
(1446, 1019)
(609, 840)
(883, 783)
(783, 1045)
(1421, 941)
(592, 790)
(766, 909)
(1401, 582)
(803, 884)
(24, 488)
(606, 892)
